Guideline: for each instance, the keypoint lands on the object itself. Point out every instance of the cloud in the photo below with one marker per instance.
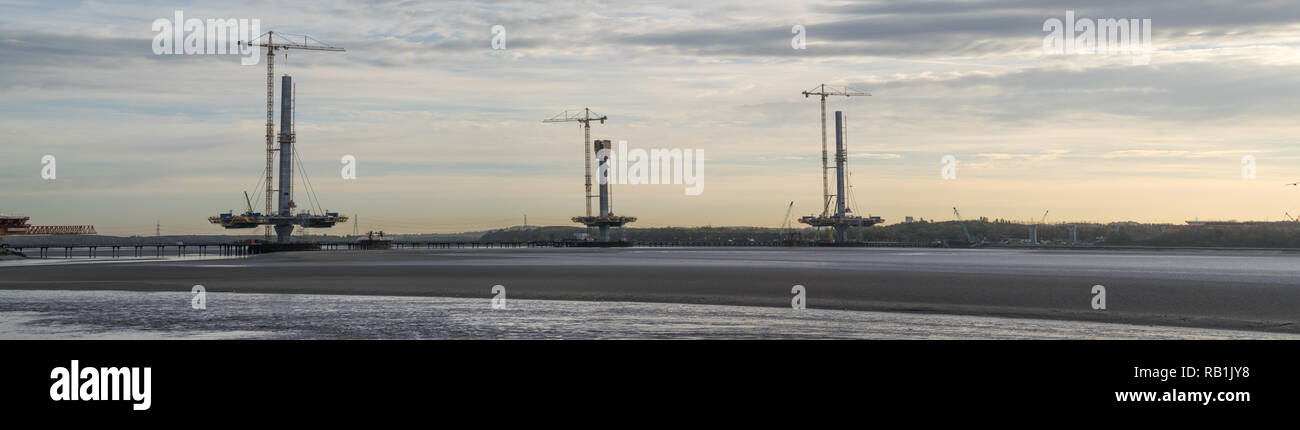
(1045, 156)
(876, 156)
(1163, 153)
(963, 28)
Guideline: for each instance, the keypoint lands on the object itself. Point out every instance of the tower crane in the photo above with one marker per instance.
(823, 91)
(272, 42)
(584, 117)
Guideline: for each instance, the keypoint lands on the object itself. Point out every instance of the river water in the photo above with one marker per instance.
(60, 314)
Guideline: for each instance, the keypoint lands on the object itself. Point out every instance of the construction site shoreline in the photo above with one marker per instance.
(1230, 290)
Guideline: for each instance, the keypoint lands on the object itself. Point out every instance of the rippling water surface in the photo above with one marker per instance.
(28, 314)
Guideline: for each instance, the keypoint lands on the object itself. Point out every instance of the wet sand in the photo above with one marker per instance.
(1251, 290)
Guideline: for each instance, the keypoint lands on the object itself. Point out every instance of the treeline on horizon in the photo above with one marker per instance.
(949, 233)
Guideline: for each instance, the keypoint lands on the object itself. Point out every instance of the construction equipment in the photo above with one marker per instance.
(584, 117)
(823, 91)
(785, 222)
(272, 42)
(1291, 218)
(790, 236)
(1033, 228)
(969, 238)
(17, 226)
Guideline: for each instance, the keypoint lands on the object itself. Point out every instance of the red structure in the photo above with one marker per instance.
(17, 225)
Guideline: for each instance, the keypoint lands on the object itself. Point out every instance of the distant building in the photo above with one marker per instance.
(1220, 224)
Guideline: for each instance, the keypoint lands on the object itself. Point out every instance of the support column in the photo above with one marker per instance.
(602, 148)
(284, 232)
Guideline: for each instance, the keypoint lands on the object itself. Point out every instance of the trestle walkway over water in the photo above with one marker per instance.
(235, 250)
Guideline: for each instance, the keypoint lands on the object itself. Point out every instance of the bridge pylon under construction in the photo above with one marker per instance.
(841, 219)
(606, 218)
(285, 219)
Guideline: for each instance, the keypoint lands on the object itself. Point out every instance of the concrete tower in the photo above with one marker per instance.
(602, 148)
(842, 230)
(284, 231)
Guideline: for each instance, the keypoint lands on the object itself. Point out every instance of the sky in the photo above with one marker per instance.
(448, 136)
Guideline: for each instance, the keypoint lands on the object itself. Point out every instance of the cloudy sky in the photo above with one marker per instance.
(448, 132)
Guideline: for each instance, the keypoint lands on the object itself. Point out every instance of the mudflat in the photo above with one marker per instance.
(1252, 290)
